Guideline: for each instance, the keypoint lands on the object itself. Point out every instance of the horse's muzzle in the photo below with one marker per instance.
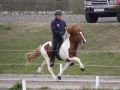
(83, 41)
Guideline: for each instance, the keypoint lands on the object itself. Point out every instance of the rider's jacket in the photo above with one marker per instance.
(58, 28)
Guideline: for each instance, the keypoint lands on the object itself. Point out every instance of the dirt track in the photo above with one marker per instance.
(35, 82)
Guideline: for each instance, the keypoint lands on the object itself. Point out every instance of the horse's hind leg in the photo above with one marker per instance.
(41, 67)
(50, 68)
(79, 61)
(67, 64)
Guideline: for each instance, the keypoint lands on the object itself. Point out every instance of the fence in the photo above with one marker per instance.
(96, 83)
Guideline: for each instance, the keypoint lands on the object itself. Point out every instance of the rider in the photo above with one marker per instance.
(58, 29)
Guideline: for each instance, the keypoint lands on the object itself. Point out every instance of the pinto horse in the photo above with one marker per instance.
(72, 38)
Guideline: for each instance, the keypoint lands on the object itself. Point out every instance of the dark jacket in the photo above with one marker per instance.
(58, 28)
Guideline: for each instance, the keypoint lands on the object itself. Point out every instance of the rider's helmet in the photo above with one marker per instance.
(58, 12)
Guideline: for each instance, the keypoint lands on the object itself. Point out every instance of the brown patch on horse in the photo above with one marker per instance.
(73, 47)
(31, 56)
(74, 38)
(48, 50)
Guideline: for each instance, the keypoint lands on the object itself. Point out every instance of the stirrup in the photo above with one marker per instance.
(52, 60)
(51, 63)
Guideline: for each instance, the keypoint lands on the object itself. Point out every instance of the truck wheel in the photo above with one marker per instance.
(91, 18)
(118, 17)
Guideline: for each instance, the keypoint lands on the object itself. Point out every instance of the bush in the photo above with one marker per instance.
(4, 27)
(17, 86)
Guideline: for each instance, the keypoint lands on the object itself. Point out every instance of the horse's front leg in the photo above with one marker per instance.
(79, 61)
(67, 64)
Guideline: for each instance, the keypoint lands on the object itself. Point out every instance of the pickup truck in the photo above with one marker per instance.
(101, 8)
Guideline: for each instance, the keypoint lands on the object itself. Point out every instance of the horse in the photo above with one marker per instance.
(67, 52)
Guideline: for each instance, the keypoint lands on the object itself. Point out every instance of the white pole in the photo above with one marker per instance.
(60, 67)
(23, 84)
(97, 82)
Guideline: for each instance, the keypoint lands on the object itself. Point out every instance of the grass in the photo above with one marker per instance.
(22, 36)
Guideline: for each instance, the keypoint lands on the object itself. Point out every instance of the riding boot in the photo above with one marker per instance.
(54, 47)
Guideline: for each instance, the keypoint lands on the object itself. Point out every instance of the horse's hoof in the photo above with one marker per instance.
(72, 64)
(39, 70)
(59, 77)
(82, 69)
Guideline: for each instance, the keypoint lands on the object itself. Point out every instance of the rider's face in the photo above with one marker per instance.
(59, 17)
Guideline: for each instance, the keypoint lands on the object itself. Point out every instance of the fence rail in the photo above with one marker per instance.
(105, 66)
(76, 51)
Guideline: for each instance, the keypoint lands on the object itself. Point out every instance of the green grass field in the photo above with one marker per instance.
(28, 36)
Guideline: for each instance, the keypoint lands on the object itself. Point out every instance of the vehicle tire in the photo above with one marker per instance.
(91, 18)
(118, 17)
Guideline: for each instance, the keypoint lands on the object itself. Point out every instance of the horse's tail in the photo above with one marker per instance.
(31, 56)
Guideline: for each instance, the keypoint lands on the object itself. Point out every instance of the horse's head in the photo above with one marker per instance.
(76, 33)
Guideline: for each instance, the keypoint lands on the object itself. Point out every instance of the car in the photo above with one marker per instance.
(101, 8)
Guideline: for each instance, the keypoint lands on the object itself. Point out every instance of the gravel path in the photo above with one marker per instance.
(48, 18)
(35, 82)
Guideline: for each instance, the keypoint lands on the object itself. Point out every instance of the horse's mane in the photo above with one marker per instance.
(73, 28)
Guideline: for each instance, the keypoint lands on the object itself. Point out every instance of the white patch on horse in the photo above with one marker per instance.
(83, 36)
(64, 49)
(42, 50)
